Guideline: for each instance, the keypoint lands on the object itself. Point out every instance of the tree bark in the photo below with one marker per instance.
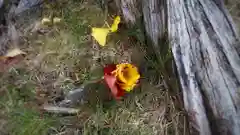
(206, 50)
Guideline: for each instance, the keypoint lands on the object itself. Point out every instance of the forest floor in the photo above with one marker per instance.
(62, 57)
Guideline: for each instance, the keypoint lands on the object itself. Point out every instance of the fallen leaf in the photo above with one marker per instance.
(56, 20)
(46, 21)
(14, 52)
(11, 58)
(9, 62)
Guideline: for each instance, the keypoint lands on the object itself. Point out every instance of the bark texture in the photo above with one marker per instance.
(205, 46)
(206, 50)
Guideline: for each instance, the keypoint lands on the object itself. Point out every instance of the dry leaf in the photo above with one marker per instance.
(7, 63)
(12, 57)
(14, 52)
(56, 20)
(46, 21)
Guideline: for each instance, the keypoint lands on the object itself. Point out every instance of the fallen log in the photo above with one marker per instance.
(206, 50)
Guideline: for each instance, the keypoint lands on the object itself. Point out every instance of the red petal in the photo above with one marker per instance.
(120, 93)
(109, 68)
(111, 81)
(115, 90)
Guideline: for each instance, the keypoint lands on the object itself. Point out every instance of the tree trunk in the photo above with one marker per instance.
(206, 51)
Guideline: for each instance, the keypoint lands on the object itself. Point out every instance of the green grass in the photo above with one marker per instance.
(22, 116)
(28, 122)
(233, 7)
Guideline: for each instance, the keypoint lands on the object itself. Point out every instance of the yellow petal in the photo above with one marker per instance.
(14, 52)
(133, 75)
(127, 76)
(127, 73)
(100, 35)
(126, 87)
(114, 26)
(119, 72)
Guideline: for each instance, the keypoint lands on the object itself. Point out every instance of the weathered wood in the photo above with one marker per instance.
(155, 22)
(130, 9)
(205, 46)
(206, 51)
(153, 13)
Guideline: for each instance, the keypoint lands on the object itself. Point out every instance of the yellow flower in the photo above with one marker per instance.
(127, 76)
(114, 26)
(100, 34)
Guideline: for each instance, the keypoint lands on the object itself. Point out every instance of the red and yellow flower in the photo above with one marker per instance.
(121, 78)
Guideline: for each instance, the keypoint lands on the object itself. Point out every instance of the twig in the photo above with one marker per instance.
(59, 110)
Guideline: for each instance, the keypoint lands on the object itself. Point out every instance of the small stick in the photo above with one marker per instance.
(59, 110)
